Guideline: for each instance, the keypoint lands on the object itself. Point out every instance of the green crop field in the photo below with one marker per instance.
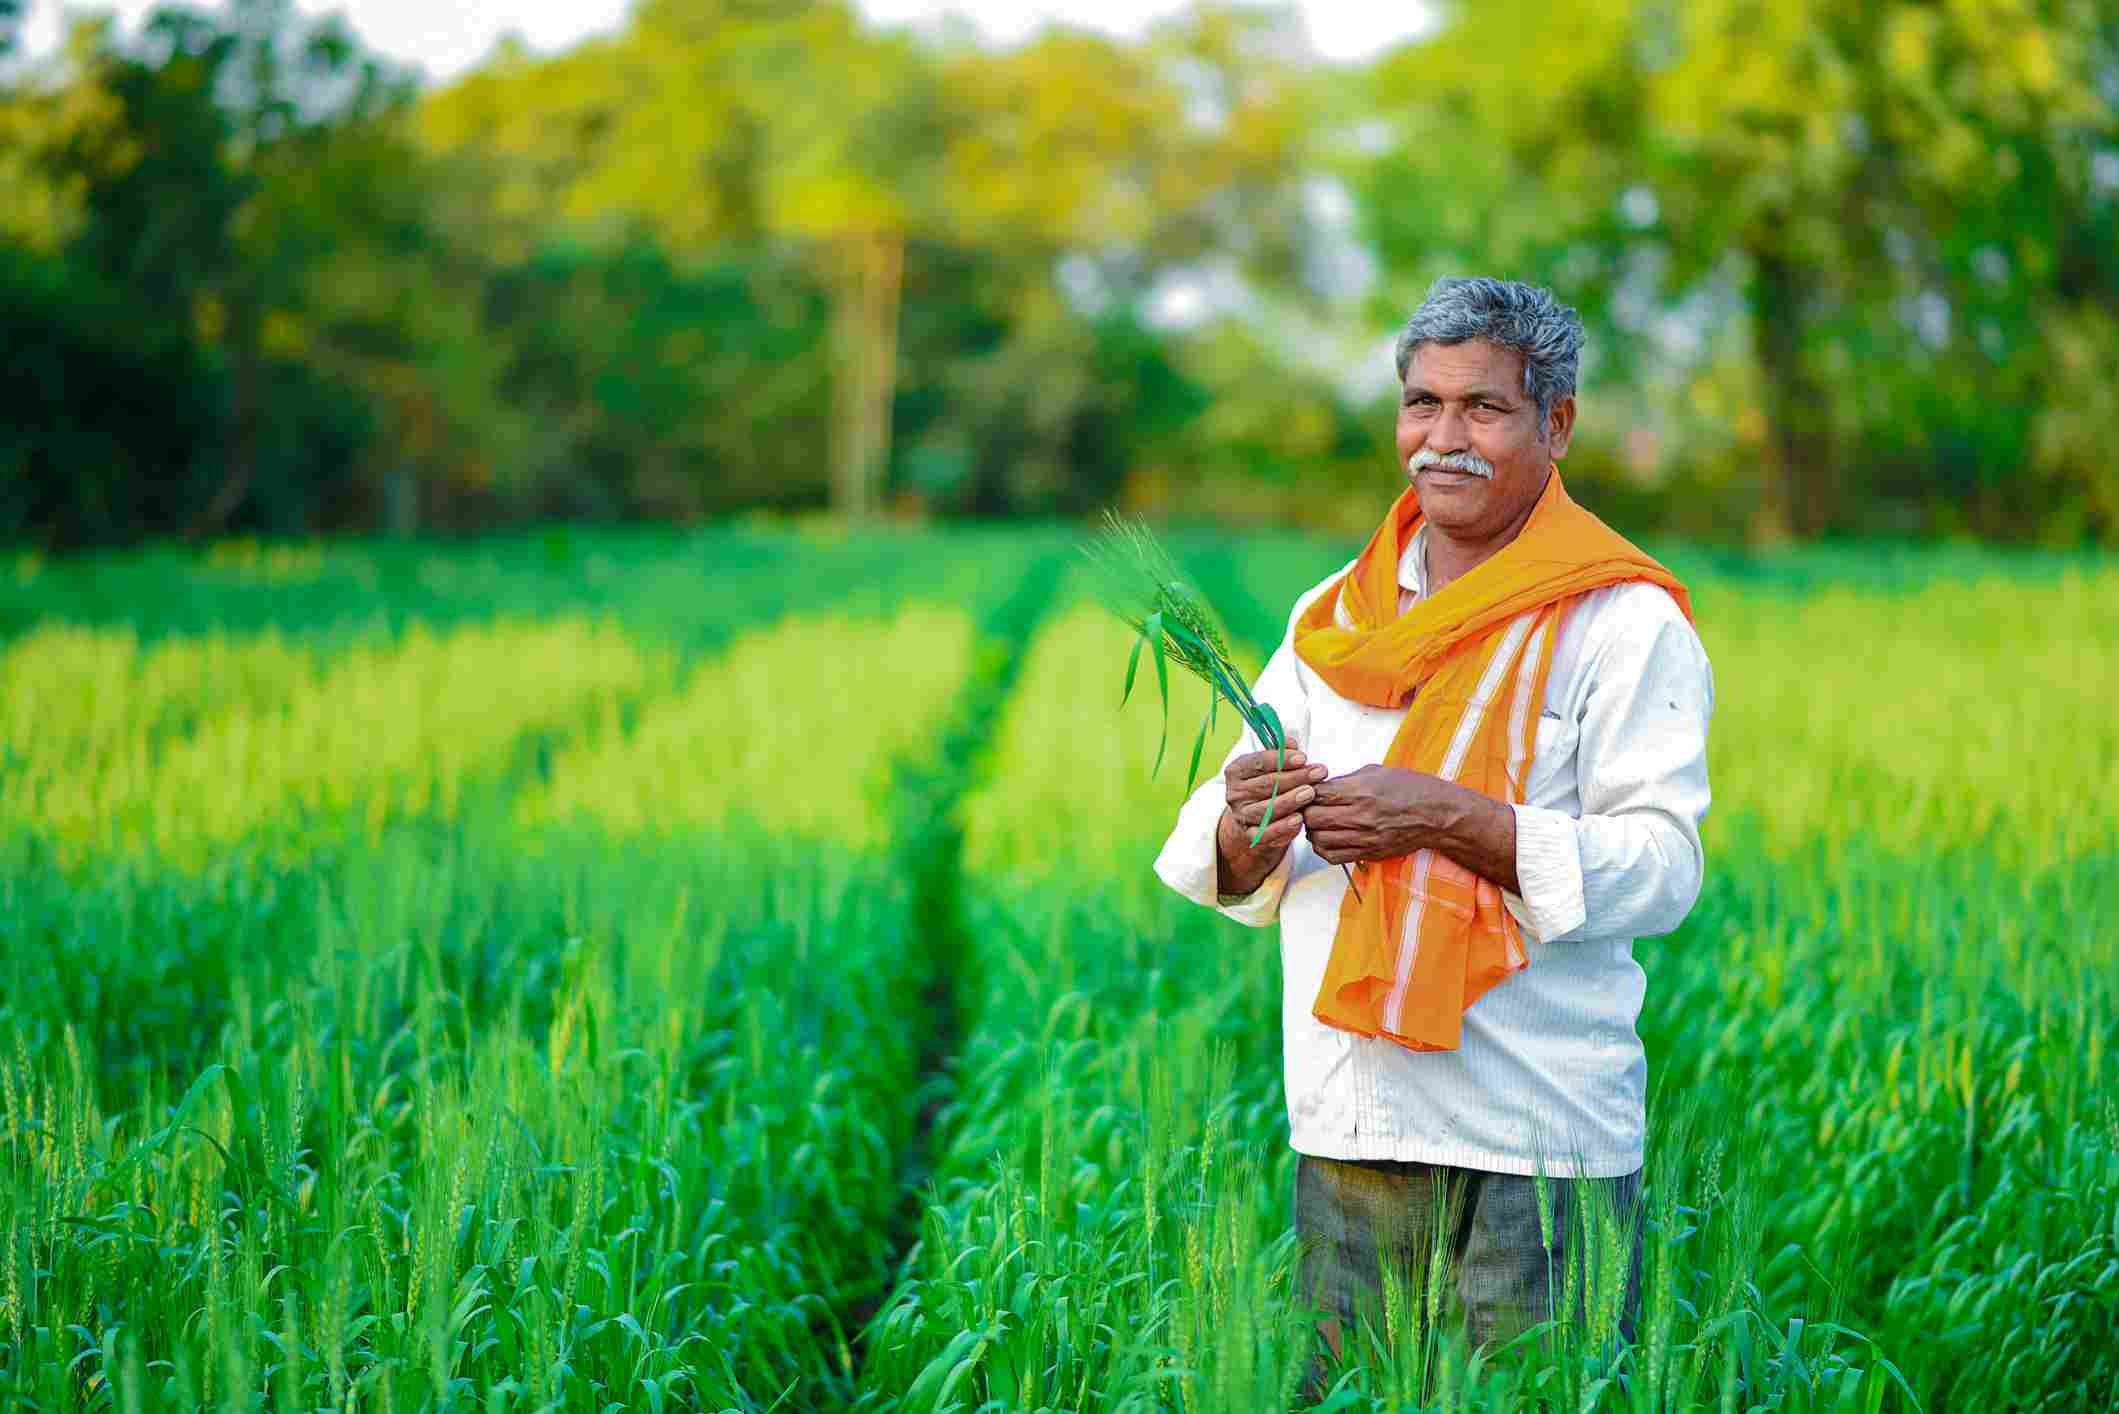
(721, 970)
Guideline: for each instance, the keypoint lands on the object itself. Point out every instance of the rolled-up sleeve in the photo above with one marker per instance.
(1190, 861)
(1630, 865)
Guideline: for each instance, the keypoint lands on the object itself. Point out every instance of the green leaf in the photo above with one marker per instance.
(1132, 665)
(1199, 744)
(1275, 735)
(1154, 627)
(179, 1120)
(1280, 766)
(926, 1387)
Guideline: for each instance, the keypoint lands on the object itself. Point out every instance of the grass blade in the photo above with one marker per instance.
(1274, 798)
(1277, 735)
(1198, 745)
(1153, 627)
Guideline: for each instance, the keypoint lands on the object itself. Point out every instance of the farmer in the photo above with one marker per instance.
(1502, 712)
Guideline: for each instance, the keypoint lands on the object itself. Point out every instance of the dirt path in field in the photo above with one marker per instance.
(929, 850)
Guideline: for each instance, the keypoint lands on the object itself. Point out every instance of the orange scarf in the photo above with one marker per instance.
(1425, 937)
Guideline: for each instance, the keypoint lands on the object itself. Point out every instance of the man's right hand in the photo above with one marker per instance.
(1249, 784)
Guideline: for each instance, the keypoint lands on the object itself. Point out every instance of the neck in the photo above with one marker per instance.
(1452, 555)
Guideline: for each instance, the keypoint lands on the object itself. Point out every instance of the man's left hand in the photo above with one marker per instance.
(1380, 812)
(1377, 812)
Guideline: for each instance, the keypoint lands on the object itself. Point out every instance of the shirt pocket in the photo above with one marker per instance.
(1552, 770)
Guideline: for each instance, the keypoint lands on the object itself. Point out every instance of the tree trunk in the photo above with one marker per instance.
(243, 449)
(1799, 496)
(401, 502)
(870, 270)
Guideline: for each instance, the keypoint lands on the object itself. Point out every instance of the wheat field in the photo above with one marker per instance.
(721, 970)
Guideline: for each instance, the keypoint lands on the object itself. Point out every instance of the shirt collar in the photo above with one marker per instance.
(1412, 565)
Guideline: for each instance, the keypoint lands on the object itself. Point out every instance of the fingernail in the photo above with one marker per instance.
(1318, 773)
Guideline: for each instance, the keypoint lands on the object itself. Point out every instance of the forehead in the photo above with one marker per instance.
(1475, 363)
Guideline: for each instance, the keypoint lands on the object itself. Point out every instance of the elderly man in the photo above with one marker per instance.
(1502, 711)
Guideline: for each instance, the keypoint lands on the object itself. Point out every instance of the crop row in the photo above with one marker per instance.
(482, 1119)
(526, 1013)
(1109, 1226)
(573, 1082)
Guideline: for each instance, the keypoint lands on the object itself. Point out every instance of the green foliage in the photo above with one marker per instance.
(1140, 585)
(1837, 229)
(141, 459)
(443, 1102)
(447, 1117)
(1846, 267)
(1877, 1044)
(659, 388)
(449, 1095)
(171, 165)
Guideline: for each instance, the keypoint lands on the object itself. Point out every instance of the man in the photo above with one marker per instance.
(1501, 709)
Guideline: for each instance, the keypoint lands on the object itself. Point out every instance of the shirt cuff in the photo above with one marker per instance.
(1549, 867)
(1261, 907)
(1190, 864)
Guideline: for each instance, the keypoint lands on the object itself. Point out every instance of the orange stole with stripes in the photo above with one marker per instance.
(1425, 937)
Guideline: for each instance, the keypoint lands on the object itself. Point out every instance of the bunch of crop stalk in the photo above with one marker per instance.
(1140, 583)
(472, 1057)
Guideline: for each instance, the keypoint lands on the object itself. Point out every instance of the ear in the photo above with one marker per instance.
(1560, 426)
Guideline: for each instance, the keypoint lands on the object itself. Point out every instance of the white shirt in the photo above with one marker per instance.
(1550, 1071)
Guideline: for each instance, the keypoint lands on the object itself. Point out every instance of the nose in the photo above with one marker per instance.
(1451, 431)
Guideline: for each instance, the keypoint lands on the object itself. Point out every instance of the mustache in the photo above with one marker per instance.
(1467, 461)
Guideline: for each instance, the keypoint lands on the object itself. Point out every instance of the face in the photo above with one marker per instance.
(1469, 397)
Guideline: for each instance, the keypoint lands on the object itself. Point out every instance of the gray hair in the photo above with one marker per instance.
(1509, 313)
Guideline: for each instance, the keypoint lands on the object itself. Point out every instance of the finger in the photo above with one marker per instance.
(1280, 834)
(1339, 789)
(1335, 846)
(1290, 802)
(1262, 811)
(1289, 782)
(1323, 815)
(1256, 788)
(1281, 829)
(1265, 763)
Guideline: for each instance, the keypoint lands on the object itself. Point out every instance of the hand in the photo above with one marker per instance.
(1249, 786)
(1377, 812)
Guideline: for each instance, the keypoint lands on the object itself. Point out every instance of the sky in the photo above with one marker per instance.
(445, 37)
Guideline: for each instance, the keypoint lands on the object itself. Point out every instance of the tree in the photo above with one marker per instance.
(180, 156)
(719, 125)
(892, 165)
(1818, 160)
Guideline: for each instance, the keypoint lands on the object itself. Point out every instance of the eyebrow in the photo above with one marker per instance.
(1487, 395)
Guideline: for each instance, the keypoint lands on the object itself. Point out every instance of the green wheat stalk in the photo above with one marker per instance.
(1140, 584)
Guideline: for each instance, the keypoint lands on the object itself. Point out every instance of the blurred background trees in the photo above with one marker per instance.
(1848, 267)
